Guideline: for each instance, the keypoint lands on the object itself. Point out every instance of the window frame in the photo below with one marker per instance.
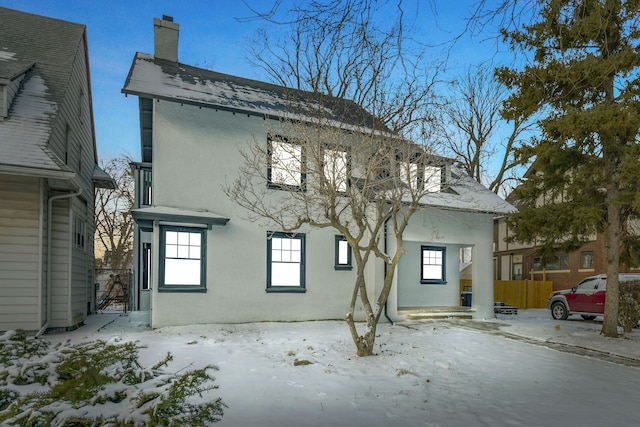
(429, 184)
(301, 185)
(162, 286)
(337, 265)
(412, 173)
(586, 255)
(551, 262)
(341, 187)
(434, 281)
(79, 232)
(271, 288)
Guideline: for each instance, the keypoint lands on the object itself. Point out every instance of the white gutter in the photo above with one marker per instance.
(45, 325)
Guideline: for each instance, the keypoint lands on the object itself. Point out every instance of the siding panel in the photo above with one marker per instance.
(20, 252)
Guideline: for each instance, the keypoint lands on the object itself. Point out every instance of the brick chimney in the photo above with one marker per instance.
(165, 38)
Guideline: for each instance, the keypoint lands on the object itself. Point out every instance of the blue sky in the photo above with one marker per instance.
(211, 36)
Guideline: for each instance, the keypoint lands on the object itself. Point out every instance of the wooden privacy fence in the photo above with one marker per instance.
(519, 293)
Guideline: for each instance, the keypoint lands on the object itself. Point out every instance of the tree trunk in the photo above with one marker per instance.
(365, 342)
(612, 302)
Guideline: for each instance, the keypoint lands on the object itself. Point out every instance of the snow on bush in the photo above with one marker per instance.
(98, 384)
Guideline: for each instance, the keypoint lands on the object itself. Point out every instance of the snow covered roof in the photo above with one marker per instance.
(154, 78)
(24, 136)
(43, 50)
(467, 194)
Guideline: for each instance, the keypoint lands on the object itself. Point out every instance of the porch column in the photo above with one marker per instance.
(482, 277)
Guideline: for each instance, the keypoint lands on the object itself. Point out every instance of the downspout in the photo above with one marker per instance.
(385, 270)
(45, 325)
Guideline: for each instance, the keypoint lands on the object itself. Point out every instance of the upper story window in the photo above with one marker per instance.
(80, 158)
(336, 169)
(79, 231)
(286, 164)
(422, 177)
(143, 175)
(586, 260)
(146, 179)
(432, 178)
(409, 174)
(67, 144)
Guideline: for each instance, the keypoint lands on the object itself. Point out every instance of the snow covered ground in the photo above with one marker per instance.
(517, 370)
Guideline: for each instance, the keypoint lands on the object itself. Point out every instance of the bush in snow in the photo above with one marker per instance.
(98, 384)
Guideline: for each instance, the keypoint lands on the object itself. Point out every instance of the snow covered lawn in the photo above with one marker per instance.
(517, 370)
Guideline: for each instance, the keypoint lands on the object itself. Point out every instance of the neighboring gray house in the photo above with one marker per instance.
(193, 124)
(48, 173)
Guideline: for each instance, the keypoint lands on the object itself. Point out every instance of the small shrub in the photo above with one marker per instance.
(98, 374)
(629, 309)
(7, 397)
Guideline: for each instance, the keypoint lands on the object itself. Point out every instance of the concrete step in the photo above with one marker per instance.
(418, 313)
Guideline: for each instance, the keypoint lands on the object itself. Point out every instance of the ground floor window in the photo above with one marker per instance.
(182, 259)
(285, 262)
(146, 266)
(433, 265)
(343, 254)
(553, 262)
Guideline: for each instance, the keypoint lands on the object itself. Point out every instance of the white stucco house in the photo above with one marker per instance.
(48, 173)
(198, 260)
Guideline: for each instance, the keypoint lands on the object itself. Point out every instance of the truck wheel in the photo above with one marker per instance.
(559, 311)
(588, 317)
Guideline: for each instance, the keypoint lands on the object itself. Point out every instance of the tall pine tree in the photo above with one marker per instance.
(584, 83)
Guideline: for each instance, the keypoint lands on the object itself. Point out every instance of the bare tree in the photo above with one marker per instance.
(361, 179)
(114, 223)
(361, 184)
(351, 49)
(475, 131)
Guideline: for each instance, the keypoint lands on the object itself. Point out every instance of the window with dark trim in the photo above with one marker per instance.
(286, 165)
(433, 265)
(342, 254)
(146, 266)
(285, 262)
(182, 259)
(336, 166)
(422, 177)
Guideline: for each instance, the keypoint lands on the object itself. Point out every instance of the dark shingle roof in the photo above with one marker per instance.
(160, 79)
(50, 43)
(44, 49)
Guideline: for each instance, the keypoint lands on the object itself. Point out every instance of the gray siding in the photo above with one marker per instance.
(81, 261)
(21, 252)
(71, 265)
(60, 263)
